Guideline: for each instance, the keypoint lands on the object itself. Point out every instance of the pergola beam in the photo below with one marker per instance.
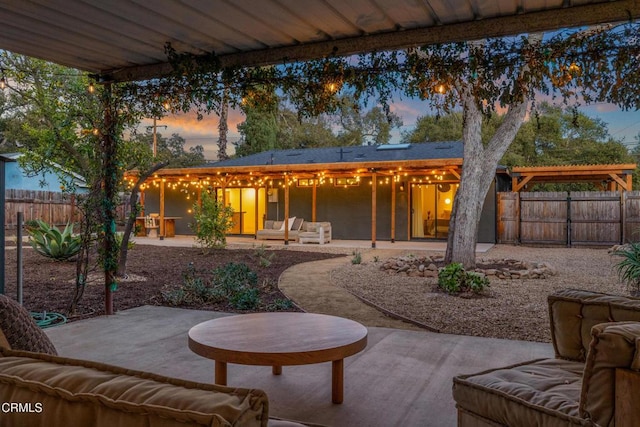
(538, 21)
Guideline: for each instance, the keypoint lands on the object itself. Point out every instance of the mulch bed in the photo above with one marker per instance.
(48, 285)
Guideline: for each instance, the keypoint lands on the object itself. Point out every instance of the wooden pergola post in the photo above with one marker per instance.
(286, 209)
(162, 209)
(141, 202)
(374, 184)
(393, 209)
(256, 210)
(314, 195)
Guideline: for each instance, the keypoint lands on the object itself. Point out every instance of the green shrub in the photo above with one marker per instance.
(245, 298)
(234, 283)
(450, 278)
(239, 284)
(454, 279)
(629, 268)
(52, 243)
(357, 257)
(212, 221)
(233, 276)
(280, 304)
(193, 290)
(264, 258)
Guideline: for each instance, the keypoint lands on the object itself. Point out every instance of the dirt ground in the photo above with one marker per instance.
(49, 285)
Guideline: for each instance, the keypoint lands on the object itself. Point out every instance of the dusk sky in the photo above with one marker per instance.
(624, 126)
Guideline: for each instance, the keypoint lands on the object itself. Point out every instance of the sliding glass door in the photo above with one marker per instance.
(431, 209)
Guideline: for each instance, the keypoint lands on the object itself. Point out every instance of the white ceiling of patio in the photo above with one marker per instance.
(125, 39)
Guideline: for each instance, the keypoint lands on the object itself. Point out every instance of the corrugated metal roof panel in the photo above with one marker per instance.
(102, 37)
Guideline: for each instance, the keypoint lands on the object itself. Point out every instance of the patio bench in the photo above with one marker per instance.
(594, 380)
(61, 391)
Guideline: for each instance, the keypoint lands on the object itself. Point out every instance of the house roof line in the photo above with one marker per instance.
(380, 167)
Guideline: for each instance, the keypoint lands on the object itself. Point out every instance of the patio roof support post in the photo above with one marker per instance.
(374, 184)
(393, 209)
(409, 201)
(162, 231)
(286, 209)
(256, 210)
(141, 202)
(314, 193)
(109, 147)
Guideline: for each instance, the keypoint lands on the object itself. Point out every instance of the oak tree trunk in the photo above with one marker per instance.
(478, 171)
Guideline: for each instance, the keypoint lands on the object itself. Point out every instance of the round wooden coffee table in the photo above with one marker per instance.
(279, 339)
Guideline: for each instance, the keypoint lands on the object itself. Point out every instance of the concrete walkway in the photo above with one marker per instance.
(309, 285)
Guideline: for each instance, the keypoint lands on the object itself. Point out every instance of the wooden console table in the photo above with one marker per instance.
(169, 226)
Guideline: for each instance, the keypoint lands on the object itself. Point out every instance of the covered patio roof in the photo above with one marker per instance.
(123, 40)
(330, 161)
(612, 175)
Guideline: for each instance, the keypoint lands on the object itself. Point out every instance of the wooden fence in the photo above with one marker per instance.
(51, 207)
(578, 218)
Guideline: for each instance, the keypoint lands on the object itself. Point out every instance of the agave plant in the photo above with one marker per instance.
(52, 243)
(629, 268)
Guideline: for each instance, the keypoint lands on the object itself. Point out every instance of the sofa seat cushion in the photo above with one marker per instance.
(574, 312)
(540, 392)
(74, 392)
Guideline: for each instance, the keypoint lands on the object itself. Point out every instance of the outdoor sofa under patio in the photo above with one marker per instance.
(594, 380)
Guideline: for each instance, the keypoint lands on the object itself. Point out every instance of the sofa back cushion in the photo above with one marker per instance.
(574, 312)
(613, 345)
(73, 392)
(19, 330)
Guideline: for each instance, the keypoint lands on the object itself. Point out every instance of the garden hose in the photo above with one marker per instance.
(46, 320)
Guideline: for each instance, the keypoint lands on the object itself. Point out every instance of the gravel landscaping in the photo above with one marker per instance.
(509, 308)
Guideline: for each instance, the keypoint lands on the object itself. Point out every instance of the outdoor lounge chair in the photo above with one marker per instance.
(592, 381)
(60, 391)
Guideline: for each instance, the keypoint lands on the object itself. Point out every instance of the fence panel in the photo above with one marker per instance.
(596, 218)
(577, 218)
(508, 217)
(543, 218)
(51, 207)
(632, 216)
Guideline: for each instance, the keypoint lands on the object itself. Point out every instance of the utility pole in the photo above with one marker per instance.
(155, 137)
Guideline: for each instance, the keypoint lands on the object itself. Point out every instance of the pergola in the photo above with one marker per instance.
(124, 40)
(606, 177)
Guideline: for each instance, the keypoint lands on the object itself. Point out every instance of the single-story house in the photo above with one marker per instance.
(387, 192)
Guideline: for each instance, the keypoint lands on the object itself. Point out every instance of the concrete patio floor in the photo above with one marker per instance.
(403, 377)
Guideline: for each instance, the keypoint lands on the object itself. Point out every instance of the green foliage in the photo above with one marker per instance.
(234, 283)
(239, 283)
(629, 267)
(557, 136)
(245, 298)
(233, 276)
(357, 257)
(50, 242)
(280, 305)
(454, 279)
(264, 257)
(212, 221)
